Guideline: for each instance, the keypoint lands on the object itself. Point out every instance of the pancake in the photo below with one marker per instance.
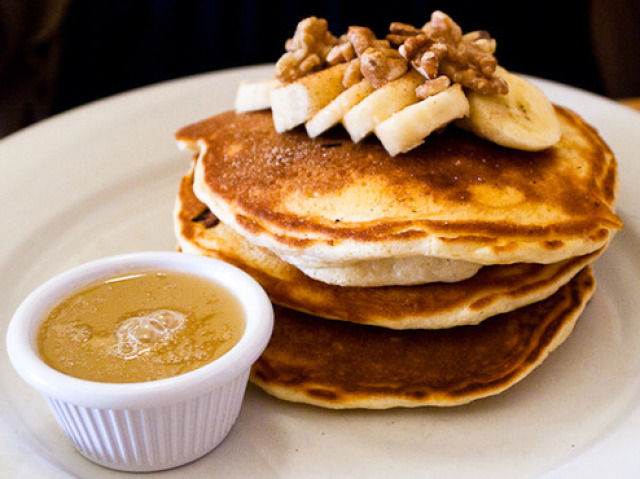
(342, 365)
(394, 271)
(494, 290)
(328, 202)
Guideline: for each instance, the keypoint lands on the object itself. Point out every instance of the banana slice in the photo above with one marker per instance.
(381, 104)
(410, 126)
(523, 119)
(295, 103)
(333, 113)
(253, 96)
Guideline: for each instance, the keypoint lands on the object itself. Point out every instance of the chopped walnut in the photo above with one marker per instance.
(307, 51)
(342, 52)
(400, 32)
(431, 87)
(439, 51)
(379, 62)
(352, 74)
(439, 48)
(363, 38)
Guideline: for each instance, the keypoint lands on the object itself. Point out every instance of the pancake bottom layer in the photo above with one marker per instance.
(343, 365)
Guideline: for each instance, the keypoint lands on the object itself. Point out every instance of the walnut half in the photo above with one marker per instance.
(307, 51)
(379, 62)
(440, 49)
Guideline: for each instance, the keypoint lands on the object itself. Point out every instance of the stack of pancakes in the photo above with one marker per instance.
(435, 277)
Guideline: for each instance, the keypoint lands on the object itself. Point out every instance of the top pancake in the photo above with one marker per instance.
(326, 201)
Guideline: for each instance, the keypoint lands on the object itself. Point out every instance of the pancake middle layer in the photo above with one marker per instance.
(493, 290)
(327, 202)
(342, 365)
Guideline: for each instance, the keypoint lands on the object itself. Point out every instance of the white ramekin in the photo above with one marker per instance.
(152, 425)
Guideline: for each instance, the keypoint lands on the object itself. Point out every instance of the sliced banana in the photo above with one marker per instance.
(296, 102)
(523, 119)
(360, 120)
(409, 127)
(333, 113)
(252, 96)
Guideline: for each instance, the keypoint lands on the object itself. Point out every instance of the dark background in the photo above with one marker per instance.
(57, 54)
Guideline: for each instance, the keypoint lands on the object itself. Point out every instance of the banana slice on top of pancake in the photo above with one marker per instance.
(395, 105)
(523, 119)
(294, 103)
(255, 95)
(409, 127)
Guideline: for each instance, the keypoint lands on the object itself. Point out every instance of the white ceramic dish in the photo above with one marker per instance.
(153, 425)
(101, 180)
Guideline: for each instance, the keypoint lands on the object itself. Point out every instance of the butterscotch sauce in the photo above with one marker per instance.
(140, 327)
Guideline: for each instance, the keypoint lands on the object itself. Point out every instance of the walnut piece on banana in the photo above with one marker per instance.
(361, 81)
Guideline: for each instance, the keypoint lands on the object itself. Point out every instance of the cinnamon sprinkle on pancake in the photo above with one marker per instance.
(493, 290)
(457, 196)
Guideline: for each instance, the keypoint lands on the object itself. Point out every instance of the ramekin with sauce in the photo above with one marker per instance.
(139, 423)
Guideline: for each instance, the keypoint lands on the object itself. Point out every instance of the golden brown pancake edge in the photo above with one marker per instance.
(457, 195)
(340, 365)
(493, 290)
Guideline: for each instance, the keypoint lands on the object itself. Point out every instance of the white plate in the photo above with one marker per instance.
(101, 179)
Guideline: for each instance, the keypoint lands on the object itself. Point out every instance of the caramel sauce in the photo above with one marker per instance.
(140, 327)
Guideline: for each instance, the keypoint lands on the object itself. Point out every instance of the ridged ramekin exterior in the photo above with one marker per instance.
(154, 438)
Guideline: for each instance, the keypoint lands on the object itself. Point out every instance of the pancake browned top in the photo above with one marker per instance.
(493, 290)
(327, 200)
(342, 365)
